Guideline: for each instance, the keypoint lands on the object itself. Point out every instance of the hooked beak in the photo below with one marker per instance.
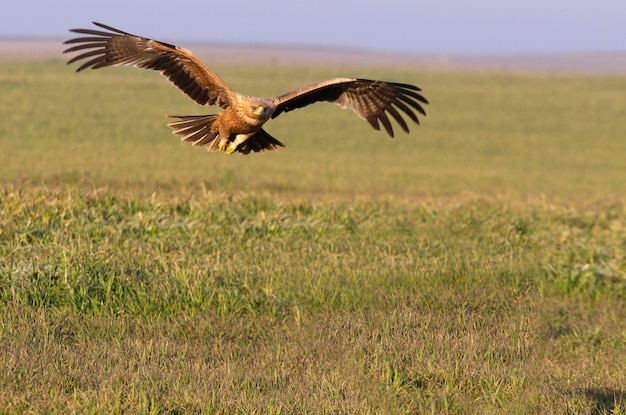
(261, 110)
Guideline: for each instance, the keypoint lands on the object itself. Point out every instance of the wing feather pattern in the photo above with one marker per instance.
(371, 100)
(178, 65)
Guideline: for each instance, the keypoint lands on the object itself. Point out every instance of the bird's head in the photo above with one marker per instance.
(261, 110)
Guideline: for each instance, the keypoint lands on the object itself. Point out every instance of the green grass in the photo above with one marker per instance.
(517, 135)
(475, 266)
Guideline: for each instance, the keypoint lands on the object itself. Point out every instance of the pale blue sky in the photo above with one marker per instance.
(421, 26)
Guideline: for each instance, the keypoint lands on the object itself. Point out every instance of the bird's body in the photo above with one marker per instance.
(239, 126)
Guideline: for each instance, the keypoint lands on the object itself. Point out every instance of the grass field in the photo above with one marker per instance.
(477, 265)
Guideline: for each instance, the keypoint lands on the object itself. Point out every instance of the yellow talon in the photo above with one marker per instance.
(231, 148)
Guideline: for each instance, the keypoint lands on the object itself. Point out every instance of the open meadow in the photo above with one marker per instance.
(475, 266)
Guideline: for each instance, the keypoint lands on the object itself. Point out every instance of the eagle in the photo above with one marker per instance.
(238, 128)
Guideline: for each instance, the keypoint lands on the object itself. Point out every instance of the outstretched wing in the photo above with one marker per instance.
(371, 100)
(178, 65)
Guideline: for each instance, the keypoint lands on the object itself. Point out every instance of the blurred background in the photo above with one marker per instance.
(444, 27)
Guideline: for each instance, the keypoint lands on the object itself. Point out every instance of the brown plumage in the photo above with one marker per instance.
(239, 126)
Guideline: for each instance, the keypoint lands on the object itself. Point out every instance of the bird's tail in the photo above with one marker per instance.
(199, 130)
(202, 130)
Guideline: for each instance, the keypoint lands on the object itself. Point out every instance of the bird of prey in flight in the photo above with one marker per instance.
(239, 126)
